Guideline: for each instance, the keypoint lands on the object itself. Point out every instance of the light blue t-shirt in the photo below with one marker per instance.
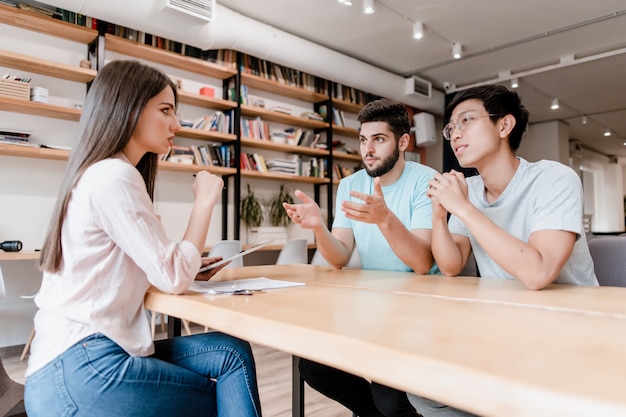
(406, 198)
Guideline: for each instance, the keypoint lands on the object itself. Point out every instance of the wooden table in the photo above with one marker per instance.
(486, 346)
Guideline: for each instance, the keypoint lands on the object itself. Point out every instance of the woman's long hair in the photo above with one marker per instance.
(115, 100)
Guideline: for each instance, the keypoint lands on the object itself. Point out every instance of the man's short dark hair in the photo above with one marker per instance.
(497, 100)
(390, 111)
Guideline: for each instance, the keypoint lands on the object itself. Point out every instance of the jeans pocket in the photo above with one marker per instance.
(46, 393)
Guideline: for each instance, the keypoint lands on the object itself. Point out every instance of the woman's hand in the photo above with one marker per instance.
(208, 187)
(209, 273)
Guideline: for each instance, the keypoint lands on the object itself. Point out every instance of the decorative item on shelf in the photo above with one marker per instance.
(251, 210)
(277, 214)
(207, 91)
(12, 86)
(39, 94)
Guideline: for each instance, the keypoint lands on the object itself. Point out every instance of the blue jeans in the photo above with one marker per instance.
(209, 374)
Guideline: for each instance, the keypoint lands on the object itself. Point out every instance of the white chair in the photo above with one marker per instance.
(353, 262)
(11, 392)
(295, 251)
(3, 291)
(226, 249)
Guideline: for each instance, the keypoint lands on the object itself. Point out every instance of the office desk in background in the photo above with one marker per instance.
(490, 347)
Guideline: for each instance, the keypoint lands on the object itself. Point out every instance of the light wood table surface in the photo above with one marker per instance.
(491, 358)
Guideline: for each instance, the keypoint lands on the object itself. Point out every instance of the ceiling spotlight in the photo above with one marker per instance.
(368, 6)
(555, 104)
(418, 30)
(457, 50)
(584, 119)
(515, 83)
(607, 132)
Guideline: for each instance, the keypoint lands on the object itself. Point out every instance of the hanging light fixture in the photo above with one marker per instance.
(607, 132)
(515, 83)
(418, 30)
(584, 119)
(457, 50)
(368, 6)
(555, 104)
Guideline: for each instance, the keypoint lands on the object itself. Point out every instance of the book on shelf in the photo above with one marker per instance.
(281, 109)
(312, 116)
(181, 155)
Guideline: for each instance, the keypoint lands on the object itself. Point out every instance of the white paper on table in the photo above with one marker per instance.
(253, 284)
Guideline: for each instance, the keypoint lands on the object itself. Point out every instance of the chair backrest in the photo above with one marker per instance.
(3, 291)
(295, 251)
(353, 262)
(228, 248)
(11, 392)
(609, 260)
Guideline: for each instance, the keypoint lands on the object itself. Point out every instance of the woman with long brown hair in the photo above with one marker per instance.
(93, 354)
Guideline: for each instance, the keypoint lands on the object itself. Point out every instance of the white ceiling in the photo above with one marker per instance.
(497, 36)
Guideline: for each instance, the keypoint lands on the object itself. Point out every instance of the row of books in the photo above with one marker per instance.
(352, 95)
(206, 155)
(224, 57)
(341, 171)
(218, 122)
(282, 74)
(298, 166)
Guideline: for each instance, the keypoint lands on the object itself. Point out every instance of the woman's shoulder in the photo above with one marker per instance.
(111, 171)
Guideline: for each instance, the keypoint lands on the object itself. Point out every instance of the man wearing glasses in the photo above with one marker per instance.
(522, 220)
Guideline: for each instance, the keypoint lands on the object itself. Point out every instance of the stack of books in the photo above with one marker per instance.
(285, 166)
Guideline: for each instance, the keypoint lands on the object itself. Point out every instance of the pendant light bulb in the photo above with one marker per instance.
(457, 50)
(555, 104)
(418, 30)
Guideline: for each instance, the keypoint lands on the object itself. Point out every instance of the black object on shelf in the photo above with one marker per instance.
(11, 246)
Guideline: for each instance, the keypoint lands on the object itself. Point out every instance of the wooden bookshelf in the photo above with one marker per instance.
(205, 101)
(346, 131)
(346, 157)
(279, 147)
(19, 256)
(288, 119)
(283, 177)
(208, 135)
(43, 67)
(47, 25)
(38, 109)
(61, 155)
(153, 54)
(276, 87)
(346, 106)
(33, 152)
(193, 168)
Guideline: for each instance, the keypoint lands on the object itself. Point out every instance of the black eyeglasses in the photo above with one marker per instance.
(462, 122)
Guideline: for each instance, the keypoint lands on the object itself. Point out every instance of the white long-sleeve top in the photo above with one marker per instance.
(114, 248)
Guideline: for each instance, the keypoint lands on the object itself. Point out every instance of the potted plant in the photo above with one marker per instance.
(277, 214)
(251, 210)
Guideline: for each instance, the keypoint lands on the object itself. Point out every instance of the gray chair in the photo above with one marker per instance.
(609, 260)
(295, 251)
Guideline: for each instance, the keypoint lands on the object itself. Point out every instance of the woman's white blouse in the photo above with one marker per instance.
(114, 248)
